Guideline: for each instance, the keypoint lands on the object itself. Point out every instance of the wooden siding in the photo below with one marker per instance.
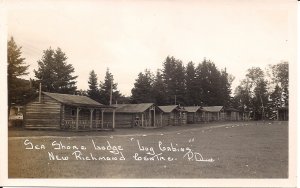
(194, 117)
(43, 115)
(122, 120)
(173, 118)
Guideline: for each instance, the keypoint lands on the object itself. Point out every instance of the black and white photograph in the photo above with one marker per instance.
(149, 93)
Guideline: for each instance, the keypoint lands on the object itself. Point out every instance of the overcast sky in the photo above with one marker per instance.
(129, 36)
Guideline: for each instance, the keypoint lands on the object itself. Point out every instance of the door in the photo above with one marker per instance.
(152, 117)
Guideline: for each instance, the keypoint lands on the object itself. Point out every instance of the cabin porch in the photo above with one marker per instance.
(86, 118)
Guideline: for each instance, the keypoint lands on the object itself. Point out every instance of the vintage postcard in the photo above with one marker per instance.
(148, 93)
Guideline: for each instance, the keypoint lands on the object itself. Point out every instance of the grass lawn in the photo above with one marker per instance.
(235, 150)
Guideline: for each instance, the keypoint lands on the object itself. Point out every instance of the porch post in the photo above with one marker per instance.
(62, 116)
(161, 119)
(77, 117)
(142, 119)
(154, 123)
(91, 118)
(113, 125)
(102, 118)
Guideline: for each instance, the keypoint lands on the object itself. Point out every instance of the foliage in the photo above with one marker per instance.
(81, 92)
(159, 89)
(255, 93)
(175, 83)
(280, 76)
(142, 91)
(213, 91)
(193, 87)
(93, 91)
(105, 89)
(54, 73)
(174, 78)
(19, 90)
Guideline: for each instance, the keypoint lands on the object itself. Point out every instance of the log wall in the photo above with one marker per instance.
(44, 115)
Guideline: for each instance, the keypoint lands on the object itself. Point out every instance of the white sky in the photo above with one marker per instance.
(130, 36)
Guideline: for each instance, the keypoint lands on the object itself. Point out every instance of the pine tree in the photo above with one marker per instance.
(159, 90)
(108, 86)
(54, 73)
(18, 90)
(174, 78)
(93, 91)
(225, 88)
(142, 91)
(168, 75)
(193, 87)
(209, 77)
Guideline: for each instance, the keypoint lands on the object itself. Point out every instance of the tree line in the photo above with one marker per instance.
(202, 84)
(261, 92)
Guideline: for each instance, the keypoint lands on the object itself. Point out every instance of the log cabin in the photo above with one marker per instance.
(232, 114)
(66, 112)
(194, 114)
(144, 115)
(213, 113)
(173, 115)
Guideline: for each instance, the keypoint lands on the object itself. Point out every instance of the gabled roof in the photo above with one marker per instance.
(75, 100)
(170, 108)
(132, 108)
(192, 108)
(212, 108)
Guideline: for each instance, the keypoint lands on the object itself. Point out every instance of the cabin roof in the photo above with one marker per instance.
(212, 108)
(170, 108)
(192, 108)
(75, 100)
(132, 108)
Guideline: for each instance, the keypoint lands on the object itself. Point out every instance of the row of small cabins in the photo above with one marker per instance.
(72, 112)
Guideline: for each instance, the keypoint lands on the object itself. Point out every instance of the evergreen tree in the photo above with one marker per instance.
(174, 78)
(93, 91)
(107, 87)
(19, 90)
(142, 91)
(54, 73)
(225, 88)
(209, 77)
(159, 90)
(193, 86)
